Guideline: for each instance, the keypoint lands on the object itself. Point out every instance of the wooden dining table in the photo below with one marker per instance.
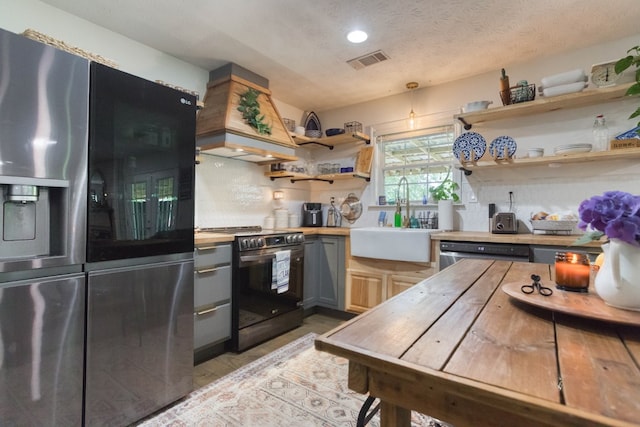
(457, 347)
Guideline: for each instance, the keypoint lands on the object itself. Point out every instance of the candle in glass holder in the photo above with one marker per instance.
(572, 271)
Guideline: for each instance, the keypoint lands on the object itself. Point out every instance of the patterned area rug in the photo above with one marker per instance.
(292, 386)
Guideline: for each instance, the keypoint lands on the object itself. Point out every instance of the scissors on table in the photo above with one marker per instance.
(536, 285)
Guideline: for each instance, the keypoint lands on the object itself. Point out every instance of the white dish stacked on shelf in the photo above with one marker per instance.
(572, 149)
(563, 83)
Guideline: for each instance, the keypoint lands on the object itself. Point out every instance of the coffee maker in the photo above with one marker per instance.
(312, 214)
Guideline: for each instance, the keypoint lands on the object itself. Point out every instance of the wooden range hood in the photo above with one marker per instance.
(222, 131)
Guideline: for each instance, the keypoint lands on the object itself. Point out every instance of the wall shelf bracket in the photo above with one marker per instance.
(467, 126)
(273, 178)
(467, 172)
(294, 180)
(330, 147)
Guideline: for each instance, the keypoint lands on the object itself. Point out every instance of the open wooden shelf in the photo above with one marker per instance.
(332, 141)
(545, 104)
(627, 153)
(295, 177)
(346, 175)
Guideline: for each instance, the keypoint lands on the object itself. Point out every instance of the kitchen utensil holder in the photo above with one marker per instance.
(518, 94)
(428, 223)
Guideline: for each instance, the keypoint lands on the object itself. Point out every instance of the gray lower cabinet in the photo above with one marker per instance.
(311, 277)
(211, 297)
(324, 272)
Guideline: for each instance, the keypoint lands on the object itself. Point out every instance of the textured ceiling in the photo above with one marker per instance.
(300, 45)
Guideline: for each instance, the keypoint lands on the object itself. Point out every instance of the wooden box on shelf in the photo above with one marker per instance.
(620, 144)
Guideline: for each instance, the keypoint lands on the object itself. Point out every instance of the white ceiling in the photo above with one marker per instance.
(301, 48)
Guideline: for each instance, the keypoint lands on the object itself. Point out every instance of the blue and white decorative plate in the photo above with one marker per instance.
(466, 142)
(498, 145)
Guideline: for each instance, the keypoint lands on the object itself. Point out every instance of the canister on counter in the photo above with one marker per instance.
(281, 218)
(294, 220)
(269, 223)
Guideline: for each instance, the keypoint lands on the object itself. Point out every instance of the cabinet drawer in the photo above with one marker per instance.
(212, 327)
(207, 256)
(212, 286)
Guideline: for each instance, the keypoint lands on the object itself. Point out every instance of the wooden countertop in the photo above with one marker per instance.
(207, 238)
(203, 238)
(324, 231)
(458, 348)
(525, 238)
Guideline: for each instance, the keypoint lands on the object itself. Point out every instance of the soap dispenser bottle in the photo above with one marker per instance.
(397, 218)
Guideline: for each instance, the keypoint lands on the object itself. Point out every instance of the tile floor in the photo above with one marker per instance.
(219, 366)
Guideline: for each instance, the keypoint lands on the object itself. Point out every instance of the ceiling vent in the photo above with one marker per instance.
(368, 59)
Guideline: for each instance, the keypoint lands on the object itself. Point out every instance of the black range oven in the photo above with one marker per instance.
(263, 306)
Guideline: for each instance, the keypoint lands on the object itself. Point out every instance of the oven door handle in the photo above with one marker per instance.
(250, 258)
(295, 254)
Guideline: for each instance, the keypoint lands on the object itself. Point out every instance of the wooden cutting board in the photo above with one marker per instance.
(587, 305)
(364, 160)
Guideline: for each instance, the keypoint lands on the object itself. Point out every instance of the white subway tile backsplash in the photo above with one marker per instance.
(237, 193)
(231, 193)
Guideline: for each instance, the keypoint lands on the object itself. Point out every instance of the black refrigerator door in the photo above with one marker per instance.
(141, 167)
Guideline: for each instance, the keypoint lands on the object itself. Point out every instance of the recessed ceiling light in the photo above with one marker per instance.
(357, 36)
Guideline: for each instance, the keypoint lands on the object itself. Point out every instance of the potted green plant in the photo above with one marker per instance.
(446, 190)
(445, 194)
(632, 59)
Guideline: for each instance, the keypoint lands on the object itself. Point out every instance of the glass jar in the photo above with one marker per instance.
(572, 271)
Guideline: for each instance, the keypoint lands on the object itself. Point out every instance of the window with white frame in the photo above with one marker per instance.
(423, 156)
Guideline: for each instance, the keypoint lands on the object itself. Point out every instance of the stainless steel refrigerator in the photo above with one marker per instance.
(139, 354)
(43, 174)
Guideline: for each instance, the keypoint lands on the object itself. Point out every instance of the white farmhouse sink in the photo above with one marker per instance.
(398, 244)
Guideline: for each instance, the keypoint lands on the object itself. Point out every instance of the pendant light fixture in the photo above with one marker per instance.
(412, 86)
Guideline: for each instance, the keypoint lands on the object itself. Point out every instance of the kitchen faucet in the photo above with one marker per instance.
(405, 221)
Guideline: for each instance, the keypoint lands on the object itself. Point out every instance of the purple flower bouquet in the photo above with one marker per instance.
(615, 214)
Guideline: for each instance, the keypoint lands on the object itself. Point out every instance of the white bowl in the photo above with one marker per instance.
(476, 106)
(535, 152)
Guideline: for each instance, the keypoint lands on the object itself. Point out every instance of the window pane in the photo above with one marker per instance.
(424, 157)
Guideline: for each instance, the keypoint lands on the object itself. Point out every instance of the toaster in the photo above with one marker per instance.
(504, 223)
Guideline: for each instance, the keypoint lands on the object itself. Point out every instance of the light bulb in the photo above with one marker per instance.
(357, 36)
(412, 86)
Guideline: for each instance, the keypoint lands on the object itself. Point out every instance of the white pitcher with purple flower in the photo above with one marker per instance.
(615, 214)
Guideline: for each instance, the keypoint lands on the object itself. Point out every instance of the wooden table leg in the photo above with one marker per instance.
(394, 416)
